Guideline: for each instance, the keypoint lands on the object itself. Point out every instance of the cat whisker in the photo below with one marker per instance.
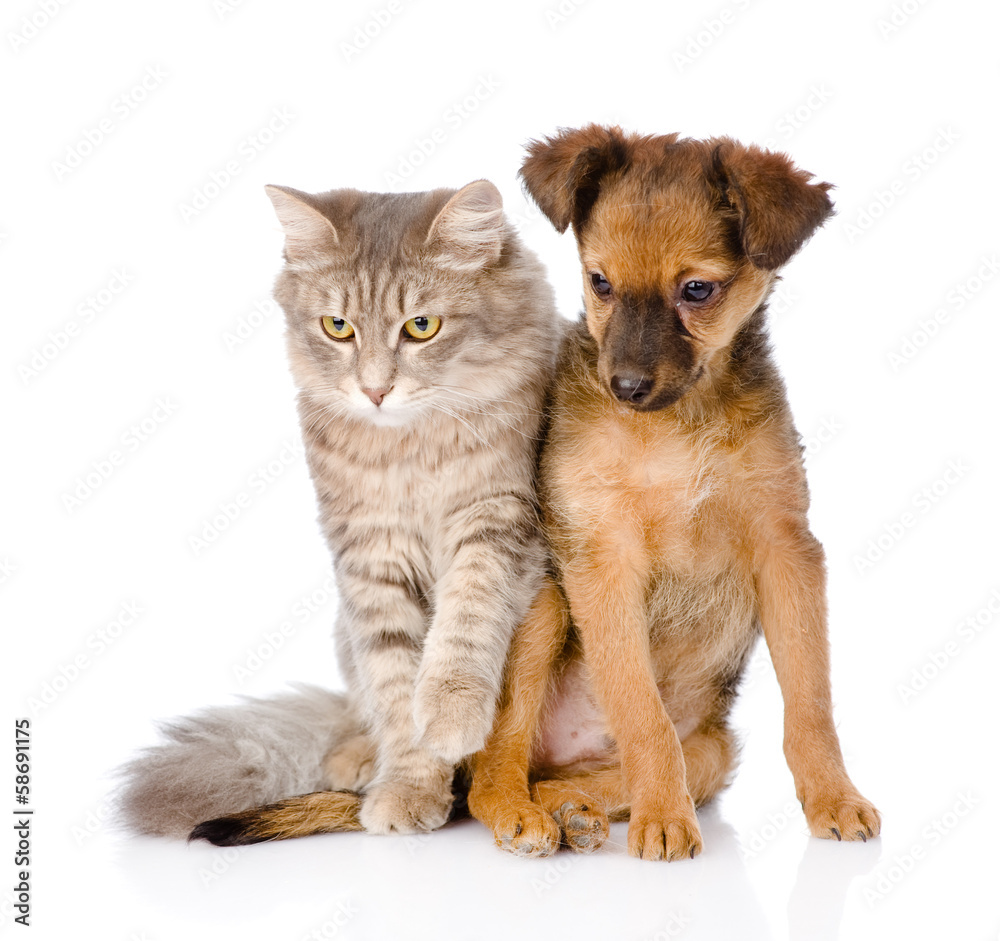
(496, 416)
(524, 407)
(442, 407)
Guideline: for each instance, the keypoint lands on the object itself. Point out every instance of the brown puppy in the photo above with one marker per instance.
(675, 504)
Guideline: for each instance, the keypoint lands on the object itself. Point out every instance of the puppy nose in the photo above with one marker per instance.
(630, 386)
(376, 395)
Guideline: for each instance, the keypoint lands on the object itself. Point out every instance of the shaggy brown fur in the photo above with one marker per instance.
(675, 505)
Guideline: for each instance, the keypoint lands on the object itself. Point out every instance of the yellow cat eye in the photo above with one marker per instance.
(422, 328)
(337, 328)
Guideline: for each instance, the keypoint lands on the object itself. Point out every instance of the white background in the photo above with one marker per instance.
(900, 421)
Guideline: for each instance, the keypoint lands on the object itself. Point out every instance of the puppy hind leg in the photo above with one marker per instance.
(583, 803)
(710, 755)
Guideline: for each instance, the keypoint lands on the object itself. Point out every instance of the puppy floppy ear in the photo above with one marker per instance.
(562, 174)
(778, 208)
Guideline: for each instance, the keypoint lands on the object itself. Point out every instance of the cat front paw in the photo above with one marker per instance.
(405, 807)
(453, 716)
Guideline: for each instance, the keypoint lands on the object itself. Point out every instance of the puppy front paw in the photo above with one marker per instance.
(453, 716)
(525, 830)
(398, 806)
(664, 832)
(841, 814)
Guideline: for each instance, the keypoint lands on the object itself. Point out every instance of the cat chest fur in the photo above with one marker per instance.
(407, 501)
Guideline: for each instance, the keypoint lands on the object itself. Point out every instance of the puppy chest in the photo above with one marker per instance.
(700, 630)
(669, 498)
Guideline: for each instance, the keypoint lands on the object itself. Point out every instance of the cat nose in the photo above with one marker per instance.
(630, 386)
(376, 395)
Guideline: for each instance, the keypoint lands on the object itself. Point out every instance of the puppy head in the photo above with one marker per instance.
(679, 242)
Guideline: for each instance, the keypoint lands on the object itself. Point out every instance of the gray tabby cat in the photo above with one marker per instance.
(422, 337)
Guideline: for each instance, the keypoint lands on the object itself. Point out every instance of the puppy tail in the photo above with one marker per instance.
(322, 812)
(227, 759)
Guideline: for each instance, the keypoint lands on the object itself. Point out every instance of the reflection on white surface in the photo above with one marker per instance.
(456, 881)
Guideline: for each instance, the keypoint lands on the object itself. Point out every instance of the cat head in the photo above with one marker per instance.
(397, 303)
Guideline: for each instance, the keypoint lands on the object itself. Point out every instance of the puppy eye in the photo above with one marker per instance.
(694, 292)
(601, 284)
(336, 328)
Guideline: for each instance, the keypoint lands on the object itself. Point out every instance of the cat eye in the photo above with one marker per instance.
(600, 284)
(695, 292)
(337, 328)
(422, 328)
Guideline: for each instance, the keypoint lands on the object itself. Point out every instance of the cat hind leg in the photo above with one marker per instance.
(351, 765)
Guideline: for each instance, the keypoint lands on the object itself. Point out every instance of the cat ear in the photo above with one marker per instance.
(307, 231)
(468, 232)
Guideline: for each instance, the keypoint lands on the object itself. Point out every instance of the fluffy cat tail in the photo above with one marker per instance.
(306, 815)
(227, 759)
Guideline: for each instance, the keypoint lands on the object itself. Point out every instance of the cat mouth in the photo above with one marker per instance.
(386, 414)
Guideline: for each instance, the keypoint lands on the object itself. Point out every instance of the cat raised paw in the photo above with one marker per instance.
(453, 716)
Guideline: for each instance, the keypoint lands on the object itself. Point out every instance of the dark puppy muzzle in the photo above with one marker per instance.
(645, 359)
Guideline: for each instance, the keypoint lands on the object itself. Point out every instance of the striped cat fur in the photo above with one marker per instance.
(422, 337)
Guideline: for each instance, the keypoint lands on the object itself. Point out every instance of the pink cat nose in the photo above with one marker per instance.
(376, 395)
